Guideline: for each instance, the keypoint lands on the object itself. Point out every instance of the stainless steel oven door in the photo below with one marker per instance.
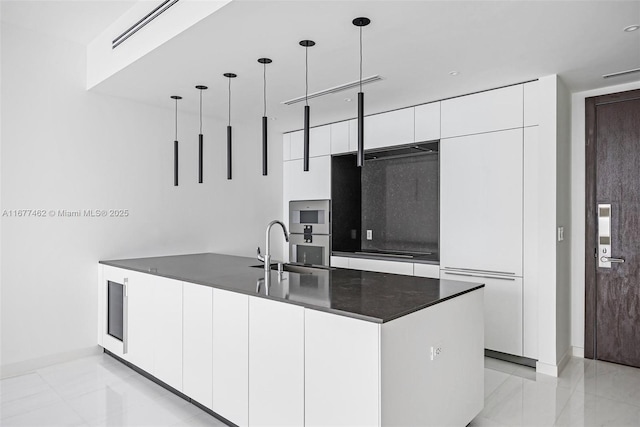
(310, 216)
(314, 252)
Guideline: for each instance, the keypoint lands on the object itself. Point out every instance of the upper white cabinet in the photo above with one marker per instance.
(296, 145)
(167, 327)
(231, 356)
(340, 137)
(319, 142)
(531, 103)
(427, 126)
(276, 363)
(345, 351)
(481, 197)
(286, 147)
(384, 129)
(483, 112)
(197, 330)
(313, 184)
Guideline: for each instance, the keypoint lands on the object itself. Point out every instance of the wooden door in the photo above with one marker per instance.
(612, 321)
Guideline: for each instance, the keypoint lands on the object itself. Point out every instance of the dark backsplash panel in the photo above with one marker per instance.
(345, 204)
(400, 204)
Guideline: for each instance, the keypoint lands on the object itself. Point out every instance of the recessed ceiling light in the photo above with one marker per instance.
(347, 100)
(273, 118)
(453, 73)
(631, 28)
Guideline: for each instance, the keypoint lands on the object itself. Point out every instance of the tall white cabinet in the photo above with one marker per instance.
(481, 202)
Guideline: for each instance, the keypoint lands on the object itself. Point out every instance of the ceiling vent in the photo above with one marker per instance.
(621, 73)
(335, 89)
(162, 8)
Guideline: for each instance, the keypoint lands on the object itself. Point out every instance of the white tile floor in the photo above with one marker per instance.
(100, 391)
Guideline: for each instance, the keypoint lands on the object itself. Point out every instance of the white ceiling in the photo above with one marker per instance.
(412, 44)
(76, 20)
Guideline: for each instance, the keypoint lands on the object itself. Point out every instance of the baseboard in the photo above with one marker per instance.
(554, 370)
(20, 368)
(577, 351)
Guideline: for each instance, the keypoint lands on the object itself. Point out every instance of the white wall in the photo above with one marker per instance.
(66, 148)
(578, 207)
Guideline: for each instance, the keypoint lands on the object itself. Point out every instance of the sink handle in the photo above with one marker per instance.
(260, 257)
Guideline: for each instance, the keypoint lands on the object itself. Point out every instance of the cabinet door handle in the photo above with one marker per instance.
(471, 270)
(609, 259)
(125, 317)
(478, 275)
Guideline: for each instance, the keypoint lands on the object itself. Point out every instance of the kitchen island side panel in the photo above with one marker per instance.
(432, 364)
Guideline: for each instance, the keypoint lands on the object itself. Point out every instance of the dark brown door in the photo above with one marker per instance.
(612, 329)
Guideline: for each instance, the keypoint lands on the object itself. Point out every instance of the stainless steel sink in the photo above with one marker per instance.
(300, 269)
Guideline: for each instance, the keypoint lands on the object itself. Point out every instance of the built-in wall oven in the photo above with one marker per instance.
(310, 228)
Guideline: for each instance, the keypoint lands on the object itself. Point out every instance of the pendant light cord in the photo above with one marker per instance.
(360, 59)
(306, 75)
(229, 101)
(176, 120)
(264, 79)
(200, 111)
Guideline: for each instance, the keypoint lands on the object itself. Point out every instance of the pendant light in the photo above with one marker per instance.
(361, 22)
(229, 76)
(306, 44)
(200, 136)
(264, 62)
(175, 145)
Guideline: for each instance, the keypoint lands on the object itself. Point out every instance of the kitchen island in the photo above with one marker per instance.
(327, 347)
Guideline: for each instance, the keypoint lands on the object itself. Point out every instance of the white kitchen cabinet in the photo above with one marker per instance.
(427, 122)
(167, 328)
(389, 129)
(340, 137)
(384, 130)
(286, 147)
(319, 142)
(197, 330)
(488, 111)
(340, 262)
(426, 270)
(314, 184)
(231, 356)
(531, 103)
(481, 197)
(502, 310)
(381, 266)
(296, 149)
(141, 321)
(345, 351)
(276, 363)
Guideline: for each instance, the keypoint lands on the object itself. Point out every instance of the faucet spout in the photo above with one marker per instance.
(267, 255)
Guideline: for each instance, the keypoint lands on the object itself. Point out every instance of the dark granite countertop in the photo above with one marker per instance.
(375, 297)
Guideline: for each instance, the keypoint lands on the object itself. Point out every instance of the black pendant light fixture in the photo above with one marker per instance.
(361, 22)
(200, 136)
(175, 145)
(264, 62)
(306, 44)
(229, 76)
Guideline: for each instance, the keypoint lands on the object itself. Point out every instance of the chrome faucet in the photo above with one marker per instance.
(267, 255)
